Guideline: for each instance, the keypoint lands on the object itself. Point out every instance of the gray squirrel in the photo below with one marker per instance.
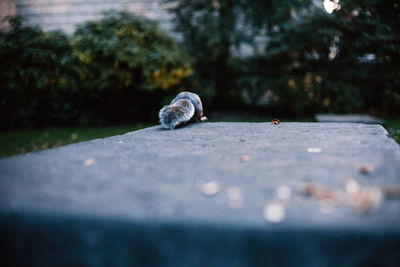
(186, 107)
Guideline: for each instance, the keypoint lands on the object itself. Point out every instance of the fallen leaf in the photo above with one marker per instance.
(274, 212)
(244, 158)
(276, 121)
(392, 192)
(210, 188)
(89, 162)
(319, 192)
(366, 168)
(367, 199)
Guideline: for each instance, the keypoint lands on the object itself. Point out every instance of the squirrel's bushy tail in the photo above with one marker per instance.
(178, 113)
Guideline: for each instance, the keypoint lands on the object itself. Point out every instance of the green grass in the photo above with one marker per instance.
(20, 142)
(393, 127)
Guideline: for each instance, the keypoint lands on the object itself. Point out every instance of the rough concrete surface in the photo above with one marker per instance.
(358, 118)
(139, 199)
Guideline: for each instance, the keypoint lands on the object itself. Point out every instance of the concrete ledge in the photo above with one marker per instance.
(138, 199)
(356, 118)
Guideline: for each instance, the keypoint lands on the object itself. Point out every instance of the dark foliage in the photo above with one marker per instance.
(302, 60)
(115, 70)
(36, 79)
(286, 57)
(125, 65)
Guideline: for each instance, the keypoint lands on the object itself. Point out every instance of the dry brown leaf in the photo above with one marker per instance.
(392, 192)
(367, 168)
(276, 121)
(367, 199)
(319, 192)
(244, 158)
(89, 162)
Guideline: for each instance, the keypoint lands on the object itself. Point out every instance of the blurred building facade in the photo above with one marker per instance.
(65, 14)
(7, 8)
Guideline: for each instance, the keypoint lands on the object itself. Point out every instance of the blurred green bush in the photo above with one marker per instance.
(124, 51)
(280, 57)
(292, 57)
(114, 70)
(124, 64)
(36, 76)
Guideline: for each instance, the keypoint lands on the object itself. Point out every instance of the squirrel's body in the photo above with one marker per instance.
(184, 108)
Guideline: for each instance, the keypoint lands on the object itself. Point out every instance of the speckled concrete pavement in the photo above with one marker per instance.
(209, 194)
